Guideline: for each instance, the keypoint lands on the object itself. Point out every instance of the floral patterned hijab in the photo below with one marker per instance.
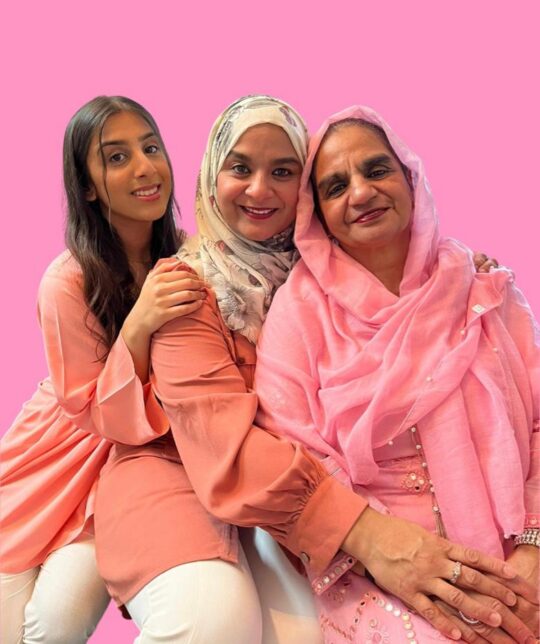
(243, 273)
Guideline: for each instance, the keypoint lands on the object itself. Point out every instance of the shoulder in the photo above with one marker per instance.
(63, 275)
(189, 253)
(295, 306)
(300, 291)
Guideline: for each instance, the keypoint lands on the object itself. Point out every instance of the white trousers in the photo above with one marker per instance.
(59, 602)
(215, 602)
(288, 607)
(204, 602)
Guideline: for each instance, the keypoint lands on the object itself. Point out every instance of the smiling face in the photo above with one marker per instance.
(257, 187)
(129, 172)
(364, 196)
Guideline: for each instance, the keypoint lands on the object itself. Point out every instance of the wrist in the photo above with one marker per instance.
(134, 331)
(529, 537)
(358, 541)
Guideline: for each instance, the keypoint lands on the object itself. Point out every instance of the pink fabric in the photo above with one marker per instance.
(52, 455)
(458, 352)
(351, 607)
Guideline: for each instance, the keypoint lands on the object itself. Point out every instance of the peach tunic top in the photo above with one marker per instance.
(155, 511)
(51, 456)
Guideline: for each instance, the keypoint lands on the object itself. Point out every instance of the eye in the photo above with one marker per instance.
(153, 148)
(379, 172)
(282, 172)
(117, 158)
(240, 169)
(335, 189)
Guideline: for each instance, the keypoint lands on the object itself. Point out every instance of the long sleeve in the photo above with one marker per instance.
(241, 473)
(103, 398)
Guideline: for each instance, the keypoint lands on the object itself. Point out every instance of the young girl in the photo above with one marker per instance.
(99, 303)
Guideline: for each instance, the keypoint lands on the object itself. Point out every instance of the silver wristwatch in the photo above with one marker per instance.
(529, 537)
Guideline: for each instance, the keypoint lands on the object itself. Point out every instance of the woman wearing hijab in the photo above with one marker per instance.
(415, 380)
(180, 571)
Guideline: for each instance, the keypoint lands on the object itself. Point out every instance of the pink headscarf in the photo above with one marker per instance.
(345, 366)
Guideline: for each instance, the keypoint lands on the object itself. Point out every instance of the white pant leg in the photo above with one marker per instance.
(69, 597)
(15, 593)
(288, 607)
(203, 602)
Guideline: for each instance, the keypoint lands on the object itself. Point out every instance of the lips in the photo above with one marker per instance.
(370, 215)
(258, 214)
(147, 193)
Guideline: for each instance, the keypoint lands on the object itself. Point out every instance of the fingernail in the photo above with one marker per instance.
(509, 572)
(455, 634)
(494, 619)
(511, 599)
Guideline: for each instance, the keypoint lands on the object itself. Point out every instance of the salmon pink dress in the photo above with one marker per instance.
(51, 456)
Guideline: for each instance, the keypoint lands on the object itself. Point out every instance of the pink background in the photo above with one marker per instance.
(457, 80)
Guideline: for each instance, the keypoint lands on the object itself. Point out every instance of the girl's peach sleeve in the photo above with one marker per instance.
(241, 473)
(105, 398)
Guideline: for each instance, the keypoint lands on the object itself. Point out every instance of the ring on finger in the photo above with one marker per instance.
(456, 572)
(469, 620)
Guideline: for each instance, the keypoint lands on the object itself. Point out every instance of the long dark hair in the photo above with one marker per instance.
(109, 287)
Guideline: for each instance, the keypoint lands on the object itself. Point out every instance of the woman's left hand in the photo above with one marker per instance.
(483, 263)
(524, 560)
(512, 629)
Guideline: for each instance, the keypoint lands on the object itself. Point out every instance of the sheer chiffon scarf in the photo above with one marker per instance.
(457, 352)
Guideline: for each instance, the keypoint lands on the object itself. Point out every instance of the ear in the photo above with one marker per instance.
(91, 194)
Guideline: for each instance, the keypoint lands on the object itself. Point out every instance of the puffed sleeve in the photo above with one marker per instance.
(241, 473)
(525, 332)
(105, 398)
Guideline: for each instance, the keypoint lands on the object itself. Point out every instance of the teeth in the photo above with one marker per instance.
(259, 211)
(146, 193)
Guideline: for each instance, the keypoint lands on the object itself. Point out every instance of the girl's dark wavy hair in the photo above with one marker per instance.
(109, 287)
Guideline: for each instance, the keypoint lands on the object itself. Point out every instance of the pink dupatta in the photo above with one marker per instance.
(345, 366)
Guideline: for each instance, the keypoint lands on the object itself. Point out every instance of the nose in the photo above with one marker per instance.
(143, 164)
(362, 190)
(259, 187)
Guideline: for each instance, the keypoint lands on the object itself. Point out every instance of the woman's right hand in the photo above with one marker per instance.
(416, 566)
(167, 293)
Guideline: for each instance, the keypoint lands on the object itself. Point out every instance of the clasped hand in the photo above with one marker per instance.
(416, 566)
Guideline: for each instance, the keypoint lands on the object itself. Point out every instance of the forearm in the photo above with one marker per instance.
(138, 343)
(96, 386)
(241, 473)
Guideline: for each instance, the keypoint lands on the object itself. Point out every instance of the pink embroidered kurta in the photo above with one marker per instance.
(51, 456)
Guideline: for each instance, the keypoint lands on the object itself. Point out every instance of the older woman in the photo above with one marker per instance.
(414, 379)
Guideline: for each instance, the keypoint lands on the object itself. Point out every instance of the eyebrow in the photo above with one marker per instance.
(280, 161)
(366, 165)
(142, 138)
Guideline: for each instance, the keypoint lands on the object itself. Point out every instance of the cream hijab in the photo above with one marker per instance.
(243, 273)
